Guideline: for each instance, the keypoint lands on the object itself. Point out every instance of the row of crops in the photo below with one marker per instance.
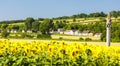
(53, 53)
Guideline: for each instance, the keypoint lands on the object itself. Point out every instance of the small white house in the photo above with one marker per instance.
(13, 31)
(77, 32)
(97, 34)
(85, 33)
(23, 31)
(8, 30)
(60, 30)
(69, 32)
(53, 32)
(29, 31)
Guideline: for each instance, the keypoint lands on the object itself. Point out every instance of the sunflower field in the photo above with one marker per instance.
(54, 53)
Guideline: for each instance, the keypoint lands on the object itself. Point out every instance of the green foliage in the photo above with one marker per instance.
(21, 27)
(97, 14)
(42, 36)
(46, 26)
(88, 39)
(115, 33)
(81, 39)
(28, 23)
(4, 26)
(59, 24)
(40, 19)
(23, 35)
(12, 21)
(74, 20)
(114, 14)
(35, 26)
(83, 15)
(103, 36)
(15, 27)
(4, 33)
(64, 22)
(60, 38)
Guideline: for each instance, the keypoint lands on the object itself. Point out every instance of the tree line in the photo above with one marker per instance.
(96, 14)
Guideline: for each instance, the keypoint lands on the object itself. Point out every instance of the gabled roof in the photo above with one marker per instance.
(86, 31)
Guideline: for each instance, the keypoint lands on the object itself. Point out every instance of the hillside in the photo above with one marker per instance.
(77, 25)
(87, 20)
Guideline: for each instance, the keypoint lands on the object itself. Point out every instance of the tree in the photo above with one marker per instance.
(21, 27)
(97, 14)
(4, 33)
(58, 24)
(114, 14)
(46, 26)
(9, 27)
(4, 26)
(102, 14)
(74, 20)
(40, 19)
(82, 15)
(15, 27)
(28, 23)
(103, 36)
(35, 26)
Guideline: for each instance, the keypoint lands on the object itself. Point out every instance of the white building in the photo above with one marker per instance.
(23, 31)
(85, 33)
(29, 31)
(77, 32)
(97, 34)
(13, 31)
(69, 32)
(54, 32)
(60, 30)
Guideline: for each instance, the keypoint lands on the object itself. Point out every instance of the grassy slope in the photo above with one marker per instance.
(79, 20)
(74, 37)
(87, 20)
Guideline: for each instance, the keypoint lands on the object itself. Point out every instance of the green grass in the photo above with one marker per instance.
(87, 20)
(98, 43)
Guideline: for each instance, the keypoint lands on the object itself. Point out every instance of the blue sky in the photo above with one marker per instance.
(21, 9)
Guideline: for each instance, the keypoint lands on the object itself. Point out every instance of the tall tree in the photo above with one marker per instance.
(114, 14)
(46, 26)
(15, 27)
(35, 26)
(74, 20)
(4, 26)
(28, 23)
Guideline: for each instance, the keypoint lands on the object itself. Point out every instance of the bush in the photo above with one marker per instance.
(23, 35)
(81, 39)
(29, 36)
(4, 33)
(43, 36)
(88, 39)
(115, 39)
(60, 38)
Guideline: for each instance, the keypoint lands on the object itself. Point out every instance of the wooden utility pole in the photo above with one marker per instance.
(108, 30)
